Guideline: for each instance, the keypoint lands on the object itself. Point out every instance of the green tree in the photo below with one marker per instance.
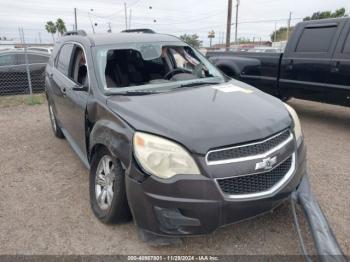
(281, 34)
(192, 40)
(61, 26)
(326, 14)
(51, 29)
(211, 35)
(243, 40)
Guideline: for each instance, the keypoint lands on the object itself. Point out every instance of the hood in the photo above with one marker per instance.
(205, 117)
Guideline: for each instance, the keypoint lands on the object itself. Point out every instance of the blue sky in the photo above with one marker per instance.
(174, 17)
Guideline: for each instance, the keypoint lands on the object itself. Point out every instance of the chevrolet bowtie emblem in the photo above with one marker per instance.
(266, 163)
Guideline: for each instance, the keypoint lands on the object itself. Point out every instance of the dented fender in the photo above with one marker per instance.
(114, 135)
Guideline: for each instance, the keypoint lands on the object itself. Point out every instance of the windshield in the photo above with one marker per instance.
(153, 67)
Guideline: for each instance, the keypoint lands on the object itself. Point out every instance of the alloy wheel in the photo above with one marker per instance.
(104, 182)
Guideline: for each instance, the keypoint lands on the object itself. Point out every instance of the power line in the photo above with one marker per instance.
(117, 12)
(269, 20)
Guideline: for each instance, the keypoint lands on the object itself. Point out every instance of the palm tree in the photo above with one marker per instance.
(61, 27)
(211, 35)
(51, 29)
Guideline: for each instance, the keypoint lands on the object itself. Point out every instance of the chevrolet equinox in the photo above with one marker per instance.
(170, 140)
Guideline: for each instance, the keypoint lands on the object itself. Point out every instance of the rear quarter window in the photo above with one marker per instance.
(316, 39)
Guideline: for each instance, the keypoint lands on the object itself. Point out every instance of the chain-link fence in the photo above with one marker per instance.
(22, 71)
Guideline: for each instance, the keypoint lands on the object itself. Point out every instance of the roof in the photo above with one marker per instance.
(119, 38)
(325, 21)
(21, 51)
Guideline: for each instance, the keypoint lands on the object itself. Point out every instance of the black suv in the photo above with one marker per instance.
(168, 139)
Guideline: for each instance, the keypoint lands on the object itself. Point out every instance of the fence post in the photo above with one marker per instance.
(27, 64)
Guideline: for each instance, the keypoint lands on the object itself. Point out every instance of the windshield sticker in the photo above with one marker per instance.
(229, 88)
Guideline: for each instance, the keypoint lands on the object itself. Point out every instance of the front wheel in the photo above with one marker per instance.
(107, 188)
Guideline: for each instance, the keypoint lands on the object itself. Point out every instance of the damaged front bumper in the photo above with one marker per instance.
(194, 205)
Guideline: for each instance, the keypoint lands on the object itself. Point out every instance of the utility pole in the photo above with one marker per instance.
(126, 16)
(130, 14)
(20, 35)
(236, 25)
(288, 26)
(39, 37)
(92, 25)
(26, 61)
(75, 19)
(228, 26)
(275, 35)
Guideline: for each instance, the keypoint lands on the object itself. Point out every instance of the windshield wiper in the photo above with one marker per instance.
(199, 84)
(138, 92)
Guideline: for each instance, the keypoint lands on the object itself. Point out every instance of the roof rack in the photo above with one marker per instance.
(75, 32)
(140, 30)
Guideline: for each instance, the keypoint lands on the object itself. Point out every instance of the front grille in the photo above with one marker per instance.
(257, 148)
(255, 183)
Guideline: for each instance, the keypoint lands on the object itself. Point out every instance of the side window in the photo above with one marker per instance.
(184, 58)
(78, 72)
(6, 60)
(346, 48)
(64, 59)
(37, 59)
(316, 40)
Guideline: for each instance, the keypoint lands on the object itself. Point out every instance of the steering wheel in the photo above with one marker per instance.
(176, 71)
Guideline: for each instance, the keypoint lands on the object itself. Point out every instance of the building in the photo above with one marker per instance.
(6, 44)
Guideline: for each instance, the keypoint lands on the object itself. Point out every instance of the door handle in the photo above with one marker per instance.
(335, 67)
(64, 90)
(50, 75)
(290, 65)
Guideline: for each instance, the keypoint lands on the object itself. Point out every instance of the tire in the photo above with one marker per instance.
(110, 207)
(55, 127)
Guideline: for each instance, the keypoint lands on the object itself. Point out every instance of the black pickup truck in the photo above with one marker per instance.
(315, 65)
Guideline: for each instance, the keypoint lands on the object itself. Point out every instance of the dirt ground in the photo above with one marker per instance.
(44, 198)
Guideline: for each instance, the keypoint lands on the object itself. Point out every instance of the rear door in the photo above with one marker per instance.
(60, 82)
(306, 65)
(37, 64)
(340, 70)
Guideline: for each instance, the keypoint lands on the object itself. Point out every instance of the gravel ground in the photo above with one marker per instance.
(44, 199)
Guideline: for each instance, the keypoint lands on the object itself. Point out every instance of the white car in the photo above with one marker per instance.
(41, 49)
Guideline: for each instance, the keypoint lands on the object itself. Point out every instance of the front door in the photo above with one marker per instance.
(340, 71)
(75, 99)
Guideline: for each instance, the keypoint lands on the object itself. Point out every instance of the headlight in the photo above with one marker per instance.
(297, 127)
(161, 157)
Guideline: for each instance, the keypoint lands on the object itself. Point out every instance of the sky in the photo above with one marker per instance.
(256, 18)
